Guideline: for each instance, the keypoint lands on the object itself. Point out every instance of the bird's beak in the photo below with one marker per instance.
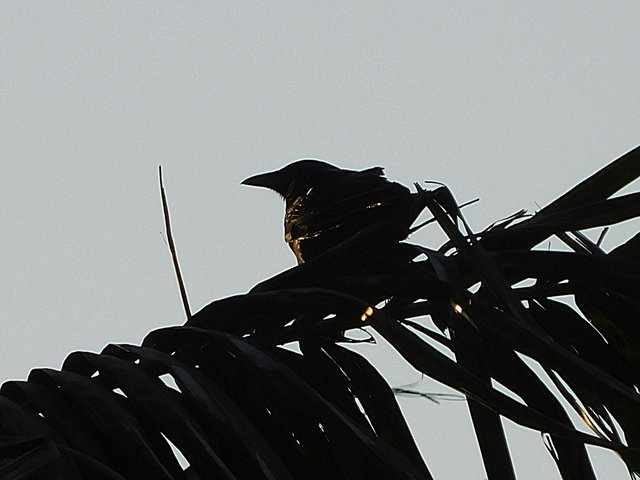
(269, 180)
(260, 180)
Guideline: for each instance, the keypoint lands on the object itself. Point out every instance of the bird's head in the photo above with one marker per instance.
(295, 179)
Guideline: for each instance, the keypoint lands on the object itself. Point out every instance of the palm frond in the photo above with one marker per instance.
(224, 396)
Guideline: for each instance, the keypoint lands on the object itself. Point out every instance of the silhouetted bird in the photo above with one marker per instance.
(326, 205)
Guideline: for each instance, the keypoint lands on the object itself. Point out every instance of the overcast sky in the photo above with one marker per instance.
(511, 102)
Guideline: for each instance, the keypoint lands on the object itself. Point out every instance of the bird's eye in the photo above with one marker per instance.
(375, 205)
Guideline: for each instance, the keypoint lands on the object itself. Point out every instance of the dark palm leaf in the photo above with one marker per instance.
(224, 397)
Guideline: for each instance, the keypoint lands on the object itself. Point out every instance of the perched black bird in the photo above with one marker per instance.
(326, 205)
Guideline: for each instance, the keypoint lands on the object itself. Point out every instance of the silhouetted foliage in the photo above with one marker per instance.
(224, 392)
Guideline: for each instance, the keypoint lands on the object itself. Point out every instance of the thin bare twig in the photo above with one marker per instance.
(172, 248)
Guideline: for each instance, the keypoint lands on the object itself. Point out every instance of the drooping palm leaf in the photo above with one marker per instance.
(223, 396)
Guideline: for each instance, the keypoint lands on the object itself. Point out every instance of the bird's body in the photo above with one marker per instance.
(326, 205)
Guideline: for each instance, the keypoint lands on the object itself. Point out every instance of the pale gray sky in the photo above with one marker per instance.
(512, 102)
